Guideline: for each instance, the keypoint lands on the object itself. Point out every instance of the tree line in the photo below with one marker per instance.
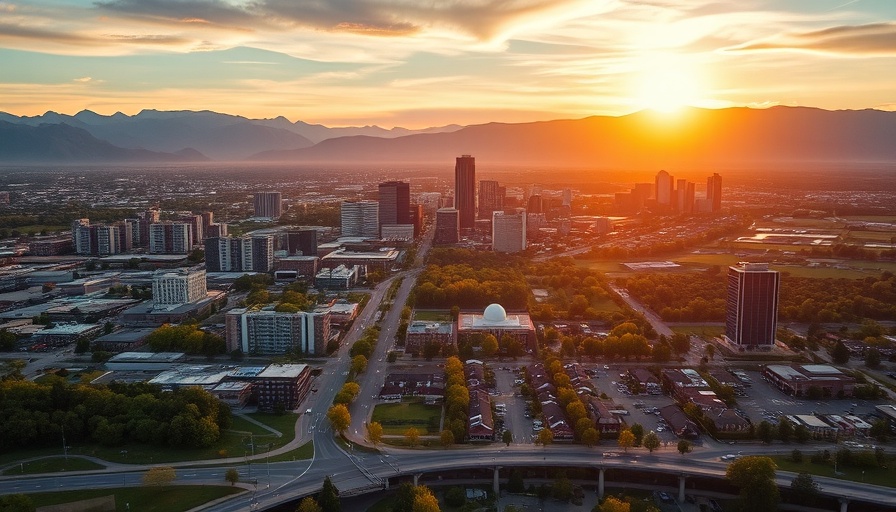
(38, 415)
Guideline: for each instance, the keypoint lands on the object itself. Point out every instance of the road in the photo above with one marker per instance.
(651, 317)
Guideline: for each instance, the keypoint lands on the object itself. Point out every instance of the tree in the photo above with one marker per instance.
(765, 432)
(710, 351)
(16, 503)
(840, 354)
(801, 433)
(455, 497)
(424, 501)
(590, 437)
(684, 446)
(785, 430)
(651, 441)
(232, 476)
(309, 504)
(489, 345)
(626, 439)
(638, 431)
(507, 437)
(446, 438)
(613, 504)
(328, 499)
(359, 364)
(545, 437)
(412, 436)
(805, 489)
(339, 418)
(159, 475)
(755, 476)
(374, 432)
(872, 358)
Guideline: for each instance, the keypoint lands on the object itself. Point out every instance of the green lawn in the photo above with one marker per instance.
(397, 418)
(231, 444)
(53, 465)
(432, 316)
(306, 451)
(878, 476)
(172, 498)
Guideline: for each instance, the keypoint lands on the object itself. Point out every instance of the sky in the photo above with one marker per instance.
(419, 63)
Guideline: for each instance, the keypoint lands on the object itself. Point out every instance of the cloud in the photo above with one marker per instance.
(862, 40)
(481, 19)
(84, 79)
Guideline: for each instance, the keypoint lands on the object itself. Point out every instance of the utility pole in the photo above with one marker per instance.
(64, 446)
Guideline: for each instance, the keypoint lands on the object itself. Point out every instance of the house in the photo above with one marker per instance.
(679, 422)
(481, 425)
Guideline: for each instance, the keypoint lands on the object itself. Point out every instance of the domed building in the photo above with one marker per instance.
(497, 321)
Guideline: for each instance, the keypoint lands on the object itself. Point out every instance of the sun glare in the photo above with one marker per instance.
(668, 90)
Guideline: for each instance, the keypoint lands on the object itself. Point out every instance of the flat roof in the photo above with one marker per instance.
(824, 369)
(126, 335)
(203, 375)
(146, 357)
(282, 371)
(232, 386)
(246, 371)
(785, 371)
(812, 421)
(66, 329)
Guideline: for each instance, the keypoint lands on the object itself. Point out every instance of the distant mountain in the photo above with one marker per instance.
(696, 139)
(319, 132)
(61, 143)
(219, 136)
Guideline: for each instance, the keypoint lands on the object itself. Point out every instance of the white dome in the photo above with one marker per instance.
(494, 313)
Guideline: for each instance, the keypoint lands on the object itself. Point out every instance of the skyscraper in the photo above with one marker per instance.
(447, 226)
(751, 314)
(489, 199)
(714, 191)
(395, 203)
(302, 242)
(268, 205)
(509, 231)
(665, 184)
(360, 219)
(465, 190)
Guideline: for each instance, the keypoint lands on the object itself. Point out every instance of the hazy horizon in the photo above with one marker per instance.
(397, 64)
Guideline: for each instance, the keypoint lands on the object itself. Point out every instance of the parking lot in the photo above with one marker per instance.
(515, 419)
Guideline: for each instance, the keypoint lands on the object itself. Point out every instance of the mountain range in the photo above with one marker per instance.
(694, 138)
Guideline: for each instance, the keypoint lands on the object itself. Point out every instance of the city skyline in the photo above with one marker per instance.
(398, 64)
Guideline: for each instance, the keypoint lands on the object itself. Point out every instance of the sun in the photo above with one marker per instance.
(668, 89)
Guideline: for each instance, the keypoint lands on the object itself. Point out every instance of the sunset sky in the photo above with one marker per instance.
(418, 63)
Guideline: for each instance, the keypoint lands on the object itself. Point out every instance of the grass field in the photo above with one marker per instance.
(54, 465)
(606, 305)
(878, 476)
(306, 451)
(432, 316)
(172, 498)
(397, 418)
(231, 444)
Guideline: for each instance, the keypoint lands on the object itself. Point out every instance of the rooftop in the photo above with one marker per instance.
(283, 371)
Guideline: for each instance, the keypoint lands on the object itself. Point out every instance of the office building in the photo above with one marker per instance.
(268, 205)
(751, 315)
(394, 203)
(664, 189)
(714, 192)
(447, 226)
(684, 196)
(178, 286)
(302, 242)
(240, 254)
(268, 332)
(509, 231)
(534, 204)
(282, 386)
(360, 219)
(490, 198)
(465, 190)
(98, 239)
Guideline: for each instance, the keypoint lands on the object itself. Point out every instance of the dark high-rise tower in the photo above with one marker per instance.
(714, 191)
(302, 242)
(489, 199)
(751, 314)
(465, 190)
(395, 203)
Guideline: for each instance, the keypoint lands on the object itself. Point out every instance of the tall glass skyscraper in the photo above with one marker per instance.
(751, 315)
(465, 190)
